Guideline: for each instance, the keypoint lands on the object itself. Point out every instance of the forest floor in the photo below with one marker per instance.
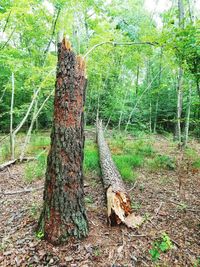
(167, 198)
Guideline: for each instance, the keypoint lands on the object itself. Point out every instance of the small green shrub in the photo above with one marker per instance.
(36, 169)
(196, 164)
(191, 154)
(89, 199)
(197, 262)
(162, 245)
(162, 162)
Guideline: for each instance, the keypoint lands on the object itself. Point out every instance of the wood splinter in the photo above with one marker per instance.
(118, 201)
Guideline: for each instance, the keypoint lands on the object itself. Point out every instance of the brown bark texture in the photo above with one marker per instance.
(64, 212)
(118, 200)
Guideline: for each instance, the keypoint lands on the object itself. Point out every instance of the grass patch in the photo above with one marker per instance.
(196, 163)
(91, 158)
(125, 165)
(35, 169)
(38, 143)
(162, 162)
(193, 156)
(4, 152)
(129, 154)
(139, 147)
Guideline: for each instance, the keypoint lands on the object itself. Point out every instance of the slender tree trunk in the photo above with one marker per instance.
(34, 118)
(150, 116)
(12, 136)
(156, 115)
(121, 112)
(187, 123)
(137, 80)
(157, 97)
(64, 212)
(35, 95)
(180, 78)
(138, 101)
(179, 103)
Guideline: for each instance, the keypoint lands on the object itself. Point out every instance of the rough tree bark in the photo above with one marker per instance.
(64, 212)
(118, 201)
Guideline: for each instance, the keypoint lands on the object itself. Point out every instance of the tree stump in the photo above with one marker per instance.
(63, 213)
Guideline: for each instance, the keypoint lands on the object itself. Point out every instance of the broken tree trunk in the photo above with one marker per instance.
(64, 213)
(118, 201)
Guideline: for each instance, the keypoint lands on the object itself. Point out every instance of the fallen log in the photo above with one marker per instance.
(7, 164)
(118, 200)
(24, 191)
(12, 162)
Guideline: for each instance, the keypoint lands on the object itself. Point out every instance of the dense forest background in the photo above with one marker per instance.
(143, 73)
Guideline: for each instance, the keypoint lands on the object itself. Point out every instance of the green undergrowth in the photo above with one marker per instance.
(126, 164)
(91, 158)
(162, 245)
(4, 152)
(129, 154)
(35, 169)
(193, 156)
(162, 162)
(38, 143)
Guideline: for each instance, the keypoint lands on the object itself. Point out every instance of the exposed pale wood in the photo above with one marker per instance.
(118, 200)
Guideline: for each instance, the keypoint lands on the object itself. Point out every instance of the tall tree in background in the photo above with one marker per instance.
(180, 77)
(63, 212)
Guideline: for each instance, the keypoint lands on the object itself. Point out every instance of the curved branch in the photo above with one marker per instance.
(118, 44)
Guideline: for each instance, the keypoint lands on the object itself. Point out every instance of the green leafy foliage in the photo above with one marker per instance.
(162, 245)
(122, 78)
(197, 262)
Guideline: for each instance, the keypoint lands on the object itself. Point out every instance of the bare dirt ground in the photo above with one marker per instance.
(156, 197)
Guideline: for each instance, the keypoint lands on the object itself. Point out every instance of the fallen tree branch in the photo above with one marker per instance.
(24, 191)
(12, 162)
(118, 201)
(7, 164)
